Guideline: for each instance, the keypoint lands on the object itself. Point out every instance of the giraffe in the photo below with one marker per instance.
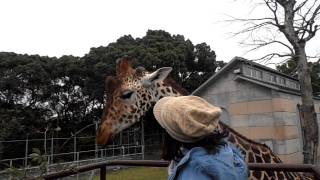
(132, 92)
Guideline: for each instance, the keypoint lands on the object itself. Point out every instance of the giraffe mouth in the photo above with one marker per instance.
(104, 136)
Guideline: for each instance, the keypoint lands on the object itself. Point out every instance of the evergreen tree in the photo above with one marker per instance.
(39, 93)
(290, 68)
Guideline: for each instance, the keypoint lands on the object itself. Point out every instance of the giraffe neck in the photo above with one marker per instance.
(167, 88)
(255, 152)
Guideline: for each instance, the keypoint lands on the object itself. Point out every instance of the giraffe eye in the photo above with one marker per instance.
(126, 94)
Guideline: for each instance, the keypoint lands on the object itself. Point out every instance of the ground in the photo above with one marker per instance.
(138, 173)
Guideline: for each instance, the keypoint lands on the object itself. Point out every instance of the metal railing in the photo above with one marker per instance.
(16, 152)
(315, 170)
(75, 149)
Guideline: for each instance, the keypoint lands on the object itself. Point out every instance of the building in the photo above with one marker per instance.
(262, 104)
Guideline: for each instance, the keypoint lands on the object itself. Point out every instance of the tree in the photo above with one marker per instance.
(38, 93)
(156, 49)
(290, 68)
(291, 25)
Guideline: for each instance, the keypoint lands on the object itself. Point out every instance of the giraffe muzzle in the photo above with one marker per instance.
(104, 136)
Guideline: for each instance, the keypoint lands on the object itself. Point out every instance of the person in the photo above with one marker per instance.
(194, 143)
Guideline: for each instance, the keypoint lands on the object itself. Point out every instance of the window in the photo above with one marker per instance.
(247, 71)
(253, 72)
(281, 81)
(270, 78)
(266, 77)
(291, 84)
(294, 85)
(273, 78)
(259, 74)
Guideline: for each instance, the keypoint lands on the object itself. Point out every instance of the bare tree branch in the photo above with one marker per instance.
(279, 63)
(298, 23)
(254, 27)
(307, 25)
(297, 29)
(312, 29)
(268, 57)
(300, 6)
(273, 10)
(260, 43)
(233, 19)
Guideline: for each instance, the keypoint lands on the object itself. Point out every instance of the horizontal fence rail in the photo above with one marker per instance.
(315, 170)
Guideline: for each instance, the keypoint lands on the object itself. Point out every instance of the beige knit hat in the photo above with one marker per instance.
(187, 118)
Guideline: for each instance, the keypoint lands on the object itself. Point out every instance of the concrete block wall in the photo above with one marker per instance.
(260, 114)
(289, 116)
(255, 113)
(269, 119)
(297, 99)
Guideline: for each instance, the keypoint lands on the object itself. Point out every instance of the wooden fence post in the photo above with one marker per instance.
(103, 173)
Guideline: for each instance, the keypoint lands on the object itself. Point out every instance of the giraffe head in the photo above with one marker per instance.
(129, 96)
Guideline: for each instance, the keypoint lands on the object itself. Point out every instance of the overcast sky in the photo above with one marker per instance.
(71, 27)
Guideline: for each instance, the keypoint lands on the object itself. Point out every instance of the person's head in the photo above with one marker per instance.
(189, 121)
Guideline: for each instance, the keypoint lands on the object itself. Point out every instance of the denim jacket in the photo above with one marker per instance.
(227, 164)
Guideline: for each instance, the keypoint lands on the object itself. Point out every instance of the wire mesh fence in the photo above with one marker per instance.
(79, 150)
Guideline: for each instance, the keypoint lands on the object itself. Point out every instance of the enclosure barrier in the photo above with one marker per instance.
(315, 170)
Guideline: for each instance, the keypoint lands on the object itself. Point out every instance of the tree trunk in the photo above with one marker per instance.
(309, 116)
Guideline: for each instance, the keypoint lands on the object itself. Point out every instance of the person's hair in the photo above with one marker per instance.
(171, 149)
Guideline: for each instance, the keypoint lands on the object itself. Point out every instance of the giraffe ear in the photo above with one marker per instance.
(159, 75)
